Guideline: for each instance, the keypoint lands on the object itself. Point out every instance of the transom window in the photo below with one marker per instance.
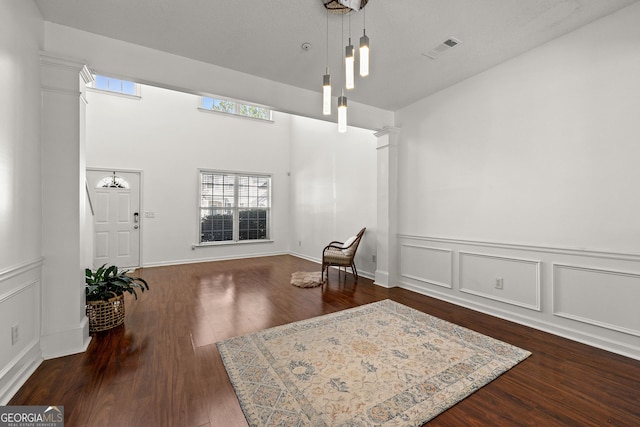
(234, 207)
(113, 181)
(234, 107)
(111, 84)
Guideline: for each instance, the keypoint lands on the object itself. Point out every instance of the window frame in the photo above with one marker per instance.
(236, 107)
(236, 208)
(136, 87)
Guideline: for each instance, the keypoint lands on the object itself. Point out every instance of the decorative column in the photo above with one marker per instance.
(387, 251)
(65, 329)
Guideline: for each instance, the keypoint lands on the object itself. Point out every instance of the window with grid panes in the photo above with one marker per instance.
(234, 207)
(111, 84)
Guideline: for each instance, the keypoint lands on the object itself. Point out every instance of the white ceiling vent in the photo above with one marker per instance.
(443, 47)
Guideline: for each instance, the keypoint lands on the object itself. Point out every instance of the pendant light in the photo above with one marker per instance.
(326, 94)
(326, 80)
(342, 113)
(364, 48)
(344, 7)
(349, 62)
(342, 100)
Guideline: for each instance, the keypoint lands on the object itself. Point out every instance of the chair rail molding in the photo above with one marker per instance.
(21, 268)
(595, 253)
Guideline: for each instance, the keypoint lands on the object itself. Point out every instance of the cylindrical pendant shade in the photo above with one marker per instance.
(364, 55)
(326, 94)
(349, 63)
(342, 114)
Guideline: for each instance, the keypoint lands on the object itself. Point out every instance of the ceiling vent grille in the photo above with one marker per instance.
(442, 48)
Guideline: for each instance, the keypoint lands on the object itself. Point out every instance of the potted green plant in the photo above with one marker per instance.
(104, 291)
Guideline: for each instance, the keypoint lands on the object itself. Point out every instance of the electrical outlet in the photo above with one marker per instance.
(374, 258)
(15, 334)
(499, 283)
(299, 242)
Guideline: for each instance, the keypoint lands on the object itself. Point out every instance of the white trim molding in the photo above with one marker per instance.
(21, 268)
(386, 130)
(19, 370)
(594, 253)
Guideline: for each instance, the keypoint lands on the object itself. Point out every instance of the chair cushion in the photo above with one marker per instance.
(336, 257)
(348, 243)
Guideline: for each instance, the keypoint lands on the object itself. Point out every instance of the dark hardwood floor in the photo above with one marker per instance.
(162, 367)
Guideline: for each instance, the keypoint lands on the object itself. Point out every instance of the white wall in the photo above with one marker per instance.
(324, 183)
(542, 150)
(144, 65)
(166, 137)
(333, 189)
(534, 160)
(21, 38)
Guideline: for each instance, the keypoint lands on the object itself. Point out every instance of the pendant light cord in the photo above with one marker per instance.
(341, 44)
(327, 63)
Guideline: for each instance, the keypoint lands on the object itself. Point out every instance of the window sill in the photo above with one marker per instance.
(206, 110)
(229, 242)
(118, 94)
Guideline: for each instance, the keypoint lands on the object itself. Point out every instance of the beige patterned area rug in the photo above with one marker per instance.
(381, 364)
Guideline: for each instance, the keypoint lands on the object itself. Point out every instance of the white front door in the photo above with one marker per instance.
(116, 202)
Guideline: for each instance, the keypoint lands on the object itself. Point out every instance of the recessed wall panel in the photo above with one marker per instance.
(427, 264)
(510, 280)
(605, 298)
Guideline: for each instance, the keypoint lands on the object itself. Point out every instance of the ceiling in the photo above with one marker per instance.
(265, 37)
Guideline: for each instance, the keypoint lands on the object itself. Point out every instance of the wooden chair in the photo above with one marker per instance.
(341, 254)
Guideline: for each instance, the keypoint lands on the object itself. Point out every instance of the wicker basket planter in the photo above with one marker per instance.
(103, 309)
(104, 315)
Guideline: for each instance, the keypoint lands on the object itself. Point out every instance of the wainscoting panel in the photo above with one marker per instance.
(588, 295)
(427, 264)
(519, 278)
(19, 308)
(605, 298)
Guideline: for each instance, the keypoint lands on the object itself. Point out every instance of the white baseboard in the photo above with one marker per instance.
(365, 274)
(211, 259)
(19, 372)
(65, 343)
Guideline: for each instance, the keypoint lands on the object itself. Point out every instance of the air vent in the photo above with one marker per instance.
(442, 48)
